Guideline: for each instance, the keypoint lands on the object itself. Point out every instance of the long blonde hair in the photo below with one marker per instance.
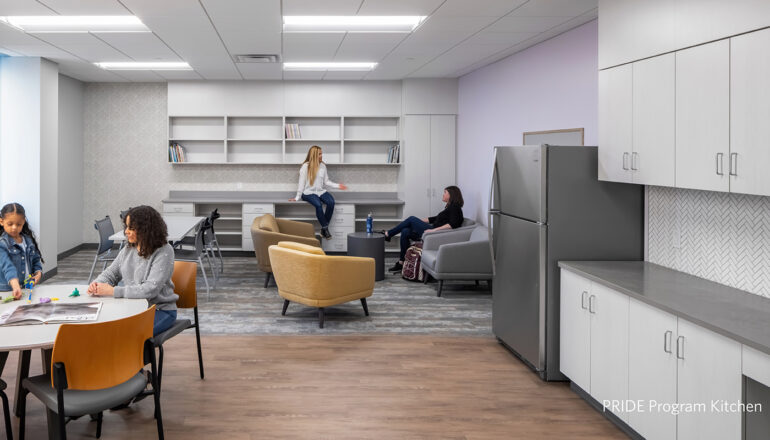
(313, 162)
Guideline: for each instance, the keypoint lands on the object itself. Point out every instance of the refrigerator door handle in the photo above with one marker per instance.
(492, 211)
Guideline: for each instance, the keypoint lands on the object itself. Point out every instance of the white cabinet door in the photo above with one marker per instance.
(750, 113)
(442, 158)
(651, 369)
(708, 370)
(699, 21)
(615, 133)
(703, 117)
(416, 166)
(574, 330)
(609, 345)
(653, 156)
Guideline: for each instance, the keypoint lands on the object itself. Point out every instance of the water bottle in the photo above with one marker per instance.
(369, 223)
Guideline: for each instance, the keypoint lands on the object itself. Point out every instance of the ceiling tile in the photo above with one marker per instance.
(457, 58)
(344, 75)
(86, 71)
(247, 26)
(310, 47)
(324, 7)
(367, 47)
(477, 8)
(84, 46)
(555, 8)
(399, 7)
(302, 75)
(140, 46)
(90, 7)
(260, 70)
(513, 23)
(16, 7)
(498, 38)
(179, 74)
(141, 76)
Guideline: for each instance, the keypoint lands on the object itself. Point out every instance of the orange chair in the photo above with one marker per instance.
(184, 286)
(88, 378)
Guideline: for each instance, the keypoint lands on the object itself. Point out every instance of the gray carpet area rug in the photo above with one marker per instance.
(239, 304)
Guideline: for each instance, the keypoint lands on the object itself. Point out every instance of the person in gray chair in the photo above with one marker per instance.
(413, 227)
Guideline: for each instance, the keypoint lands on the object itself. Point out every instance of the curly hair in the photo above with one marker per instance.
(455, 196)
(151, 231)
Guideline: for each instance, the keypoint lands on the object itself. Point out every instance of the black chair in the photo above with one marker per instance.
(196, 256)
(6, 412)
(104, 251)
(210, 242)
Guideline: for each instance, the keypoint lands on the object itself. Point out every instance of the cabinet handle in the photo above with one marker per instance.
(680, 347)
(591, 308)
(667, 341)
(634, 155)
(720, 163)
(625, 161)
(583, 300)
(734, 164)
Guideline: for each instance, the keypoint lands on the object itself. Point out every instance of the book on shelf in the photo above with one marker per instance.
(51, 312)
(292, 131)
(394, 154)
(176, 153)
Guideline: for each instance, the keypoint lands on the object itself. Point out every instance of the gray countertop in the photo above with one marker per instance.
(278, 197)
(734, 313)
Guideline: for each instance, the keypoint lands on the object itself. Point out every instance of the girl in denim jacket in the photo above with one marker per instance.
(19, 252)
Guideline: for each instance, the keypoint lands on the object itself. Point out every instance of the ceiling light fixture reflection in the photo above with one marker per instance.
(329, 66)
(134, 65)
(351, 23)
(75, 23)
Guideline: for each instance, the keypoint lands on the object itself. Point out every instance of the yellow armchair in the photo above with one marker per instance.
(306, 275)
(267, 230)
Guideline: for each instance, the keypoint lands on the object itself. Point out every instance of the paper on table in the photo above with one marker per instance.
(51, 312)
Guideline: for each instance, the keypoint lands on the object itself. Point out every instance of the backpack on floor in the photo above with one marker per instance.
(412, 270)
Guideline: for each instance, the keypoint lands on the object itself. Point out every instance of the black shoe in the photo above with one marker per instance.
(325, 233)
(396, 267)
(384, 232)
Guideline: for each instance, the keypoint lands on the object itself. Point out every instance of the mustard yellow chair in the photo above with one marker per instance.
(268, 230)
(306, 275)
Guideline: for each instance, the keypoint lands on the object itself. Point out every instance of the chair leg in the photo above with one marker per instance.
(211, 266)
(6, 416)
(156, 395)
(160, 366)
(477, 283)
(198, 340)
(22, 413)
(321, 317)
(93, 266)
(267, 279)
(221, 260)
(205, 280)
(440, 286)
(285, 306)
(99, 425)
(366, 309)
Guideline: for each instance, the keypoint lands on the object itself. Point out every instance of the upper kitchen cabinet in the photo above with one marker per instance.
(701, 21)
(750, 113)
(653, 155)
(615, 124)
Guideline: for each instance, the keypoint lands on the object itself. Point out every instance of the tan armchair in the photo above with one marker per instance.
(268, 230)
(306, 275)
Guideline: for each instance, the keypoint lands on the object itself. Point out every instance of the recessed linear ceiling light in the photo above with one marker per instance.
(63, 23)
(330, 66)
(350, 23)
(144, 66)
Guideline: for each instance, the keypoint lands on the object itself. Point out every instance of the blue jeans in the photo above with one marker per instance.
(410, 229)
(323, 217)
(164, 319)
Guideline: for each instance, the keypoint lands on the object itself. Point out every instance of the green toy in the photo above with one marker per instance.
(75, 293)
(7, 299)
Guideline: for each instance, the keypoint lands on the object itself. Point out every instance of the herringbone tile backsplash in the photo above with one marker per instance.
(718, 236)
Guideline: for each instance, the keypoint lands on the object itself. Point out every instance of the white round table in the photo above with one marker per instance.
(27, 337)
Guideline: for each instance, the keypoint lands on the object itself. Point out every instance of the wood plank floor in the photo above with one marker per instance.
(344, 387)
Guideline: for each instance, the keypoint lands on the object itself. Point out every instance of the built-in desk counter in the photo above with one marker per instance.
(239, 208)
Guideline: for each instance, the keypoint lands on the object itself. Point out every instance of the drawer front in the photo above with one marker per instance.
(335, 245)
(341, 231)
(248, 219)
(344, 208)
(342, 220)
(258, 208)
(178, 208)
(756, 365)
(247, 244)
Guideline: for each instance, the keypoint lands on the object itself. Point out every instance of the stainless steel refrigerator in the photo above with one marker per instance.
(546, 205)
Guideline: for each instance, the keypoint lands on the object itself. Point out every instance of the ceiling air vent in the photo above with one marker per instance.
(256, 58)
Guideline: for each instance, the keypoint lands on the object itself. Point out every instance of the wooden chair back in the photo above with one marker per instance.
(183, 278)
(102, 354)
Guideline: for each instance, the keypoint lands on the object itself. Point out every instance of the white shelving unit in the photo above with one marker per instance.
(244, 140)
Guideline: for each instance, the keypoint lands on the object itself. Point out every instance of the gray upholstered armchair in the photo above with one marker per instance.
(458, 254)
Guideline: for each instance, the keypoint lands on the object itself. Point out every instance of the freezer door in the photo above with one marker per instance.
(518, 295)
(520, 181)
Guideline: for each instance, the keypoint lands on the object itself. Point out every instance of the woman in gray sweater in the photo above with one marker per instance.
(145, 267)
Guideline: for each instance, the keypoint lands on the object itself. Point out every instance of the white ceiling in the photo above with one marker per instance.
(458, 36)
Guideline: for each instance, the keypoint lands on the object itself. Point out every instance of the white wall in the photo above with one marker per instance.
(70, 167)
(552, 85)
(29, 143)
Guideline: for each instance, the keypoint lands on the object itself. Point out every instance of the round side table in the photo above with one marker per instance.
(362, 244)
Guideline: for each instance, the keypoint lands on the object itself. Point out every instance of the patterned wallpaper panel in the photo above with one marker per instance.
(125, 153)
(718, 236)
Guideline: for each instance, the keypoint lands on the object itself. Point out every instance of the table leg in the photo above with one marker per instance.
(45, 356)
(22, 372)
(3, 358)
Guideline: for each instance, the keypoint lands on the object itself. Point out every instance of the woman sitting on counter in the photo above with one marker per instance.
(413, 228)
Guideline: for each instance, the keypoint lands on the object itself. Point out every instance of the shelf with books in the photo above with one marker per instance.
(308, 128)
(196, 151)
(296, 151)
(372, 152)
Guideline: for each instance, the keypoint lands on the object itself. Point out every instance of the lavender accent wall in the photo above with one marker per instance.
(549, 86)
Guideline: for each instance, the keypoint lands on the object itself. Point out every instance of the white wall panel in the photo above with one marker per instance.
(430, 96)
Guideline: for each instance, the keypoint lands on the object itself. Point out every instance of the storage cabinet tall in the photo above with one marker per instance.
(429, 154)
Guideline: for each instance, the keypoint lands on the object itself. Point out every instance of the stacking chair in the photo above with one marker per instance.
(104, 251)
(184, 286)
(210, 242)
(88, 378)
(196, 256)
(6, 412)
